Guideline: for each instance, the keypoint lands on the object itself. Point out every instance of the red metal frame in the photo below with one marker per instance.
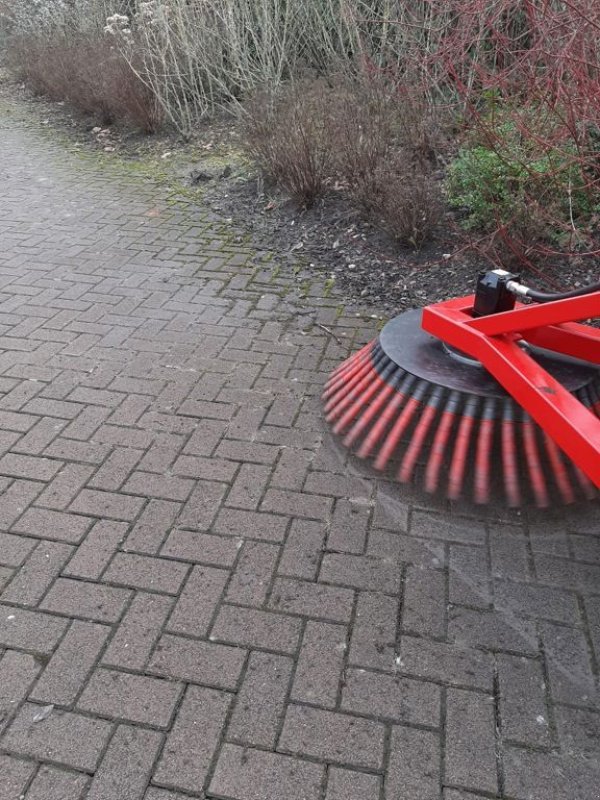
(493, 340)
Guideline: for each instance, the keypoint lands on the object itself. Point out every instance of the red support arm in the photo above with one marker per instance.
(492, 341)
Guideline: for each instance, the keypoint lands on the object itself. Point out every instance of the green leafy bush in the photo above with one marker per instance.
(513, 180)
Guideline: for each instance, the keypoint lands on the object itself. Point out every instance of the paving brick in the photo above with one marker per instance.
(249, 486)
(470, 741)
(361, 572)
(14, 775)
(569, 666)
(146, 572)
(469, 577)
(15, 500)
(163, 794)
(508, 547)
(138, 631)
(165, 487)
(206, 437)
(53, 525)
(540, 776)
(126, 766)
(86, 423)
(65, 486)
(448, 663)
(209, 469)
(134, 698)
(414, 765)
(291, 469)
(86, 600)
(302, 551)
(425, 603)
(312, 506)
(116, 469)
(191, 744)
(251, 525)
(251, 579)
(17, 673)
(261, 700)
(203, 504)
(198, 601)
(491, 630)
(73, 450)
(391, 697)
(203, 548)
(592, 608)
(579, 730)
(523, 708)
(37, 573)
(348, 529)
(106, 504)
(15, 549)
(320, 664)
(63, 737)
(64, 676)
(96, 550)
(373, 638)
(30, 630)
(40, 436)
(312, 600)
(432, 526)
(345, 784)
(52, 783)
(249, 627)
(152, 527)
(245, 774)
(22, 466)
(206, 663)
(537, 602)
(566, 574)
(332, 737)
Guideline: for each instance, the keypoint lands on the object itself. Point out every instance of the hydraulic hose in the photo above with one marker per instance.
(547, 297)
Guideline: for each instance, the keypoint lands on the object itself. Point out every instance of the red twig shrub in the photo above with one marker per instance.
(527, 77)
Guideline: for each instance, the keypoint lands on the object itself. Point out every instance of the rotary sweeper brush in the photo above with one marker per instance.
(481, 391)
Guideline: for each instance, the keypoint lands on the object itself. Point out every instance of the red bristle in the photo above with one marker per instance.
(461, 449)
(387, 415)
(347, 386)
(346, 363)
(342, 381)
(485, 442)
(419, 435)
(534, 464)
(358, 358)
(400, 426)
(353, 393)
(370, 413)
(509, 457)
(438, 447)
(559, 470)
(377, 381)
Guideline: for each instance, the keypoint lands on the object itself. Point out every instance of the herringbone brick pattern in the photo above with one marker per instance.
(215, 603)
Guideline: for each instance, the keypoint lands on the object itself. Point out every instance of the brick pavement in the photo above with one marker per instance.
(215, 603)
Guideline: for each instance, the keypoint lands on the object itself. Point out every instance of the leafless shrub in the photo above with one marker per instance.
(289, 138)
(90, 74)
